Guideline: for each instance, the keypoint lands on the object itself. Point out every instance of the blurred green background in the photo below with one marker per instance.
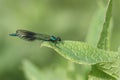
(69, 19)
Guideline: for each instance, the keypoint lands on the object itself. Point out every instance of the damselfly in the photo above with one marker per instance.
(31, 36)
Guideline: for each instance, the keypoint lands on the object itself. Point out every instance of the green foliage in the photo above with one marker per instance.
(82, 53)
(105, 64)
(98, 73)
(95, 28)
(104, 38)
(109, 69)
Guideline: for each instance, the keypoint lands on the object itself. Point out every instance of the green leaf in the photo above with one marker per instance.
(81, 52)
(104, 38)
(98, 74)
(95, 27)
(105, 70)
(109, 70)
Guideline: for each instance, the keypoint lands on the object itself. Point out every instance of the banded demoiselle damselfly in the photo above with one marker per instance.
(31, 36)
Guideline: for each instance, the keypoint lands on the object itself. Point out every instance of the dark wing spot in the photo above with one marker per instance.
(27, 35)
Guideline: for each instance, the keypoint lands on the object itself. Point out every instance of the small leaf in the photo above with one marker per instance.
(97, 74)
(104, 38)
(109, 70)
(82, 53)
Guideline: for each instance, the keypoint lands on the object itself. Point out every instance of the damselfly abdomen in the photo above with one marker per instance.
(31, 36)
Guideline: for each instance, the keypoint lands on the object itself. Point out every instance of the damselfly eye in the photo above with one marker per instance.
(58, 38)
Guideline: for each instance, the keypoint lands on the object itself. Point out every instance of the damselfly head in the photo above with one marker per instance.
(58, 39)
(54, 39)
